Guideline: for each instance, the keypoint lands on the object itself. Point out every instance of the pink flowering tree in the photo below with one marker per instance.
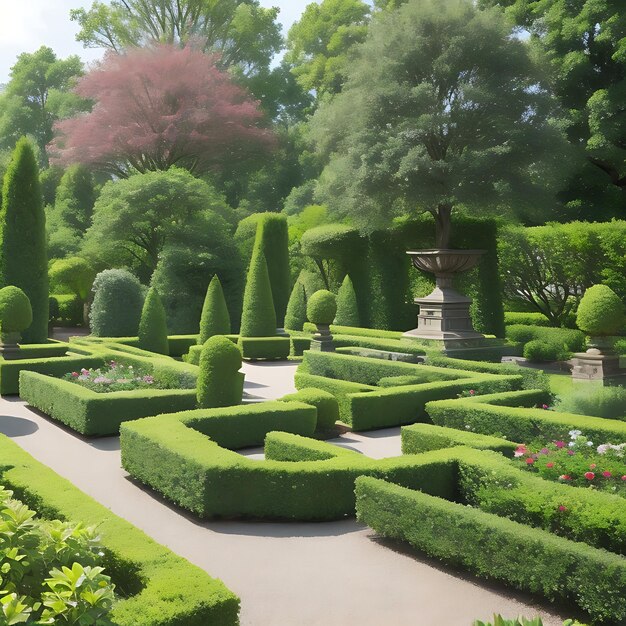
(158, 107)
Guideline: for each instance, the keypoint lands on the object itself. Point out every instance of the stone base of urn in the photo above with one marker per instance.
(9, 348)
(597, 366)
(322, 340)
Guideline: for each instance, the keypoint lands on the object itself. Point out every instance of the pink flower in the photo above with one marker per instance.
(545, 407)
(562, 508)
(75, 374)
(570, 452)
(550, 465)
(589, 475)
(607, 474)
(593, 466)
(544, 451)
(565, 477)
(623, 477)
(520, 451)
(472, 392)
(559, 444)
(530, 461)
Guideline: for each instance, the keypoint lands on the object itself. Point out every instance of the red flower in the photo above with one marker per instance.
(472, 392)
(530, 461)
(562, 508)
(559, 444)
(589, 475)
(74, 374)
(565, 477)
(570, 452)
(550, 464)
(607, 474)
(623, 477)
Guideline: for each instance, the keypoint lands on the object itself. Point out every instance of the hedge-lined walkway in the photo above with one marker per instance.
(327, 574)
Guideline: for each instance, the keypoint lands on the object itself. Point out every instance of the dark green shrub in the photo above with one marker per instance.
(16, 313)
(215, 319)
(258, 318)
(264, 348)
(347, 306)
(609, 402)
(220, 383)
(75, 197)
(295, 317)
(322, 307)
(117, 304)
(571, 340)
(153, 325)
(23, 257)
(70, 310)
(541, 351)
(600, 312)
(325, 403)
(311, 281)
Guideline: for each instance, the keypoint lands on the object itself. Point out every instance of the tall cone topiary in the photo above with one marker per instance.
(153, 324)
(258, 318)
(215, 318)
(23, 256)
(347, 307)
(220, 383)
(296, 308)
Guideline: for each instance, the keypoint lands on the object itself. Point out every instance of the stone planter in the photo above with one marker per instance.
(322, 340)
(9, 348)
(444, 314)
(599, 363)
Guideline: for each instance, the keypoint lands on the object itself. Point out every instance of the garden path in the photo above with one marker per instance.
(309, 574)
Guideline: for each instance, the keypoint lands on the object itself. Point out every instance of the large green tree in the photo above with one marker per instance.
(585, 44)
(442, 111)
(37, 94)
(23, 260)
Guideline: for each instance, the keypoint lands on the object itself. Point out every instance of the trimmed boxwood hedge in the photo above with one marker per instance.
(525, 318)
(174, 455)
(264, 348)
(165, 589)
(96, 414)
(498, 549)
(324, 402)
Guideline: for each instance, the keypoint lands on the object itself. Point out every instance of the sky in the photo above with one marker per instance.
(26, 25)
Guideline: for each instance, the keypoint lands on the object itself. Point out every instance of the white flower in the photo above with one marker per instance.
(604, 448)
(574, 433)
(571, 444)
(590, 443)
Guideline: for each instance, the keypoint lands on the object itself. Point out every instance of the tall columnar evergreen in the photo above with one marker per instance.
(296, 308)
(215, 318)
(347, 307)
(153, 324)
(258, 318)
(23, 257)
(272, 236)
(75, 198)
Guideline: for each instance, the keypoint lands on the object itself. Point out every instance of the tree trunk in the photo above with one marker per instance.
(443, 226)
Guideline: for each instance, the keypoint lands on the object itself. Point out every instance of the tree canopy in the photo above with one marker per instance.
(442, 110)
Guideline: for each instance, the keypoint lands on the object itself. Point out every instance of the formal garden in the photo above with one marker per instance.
(323, 327)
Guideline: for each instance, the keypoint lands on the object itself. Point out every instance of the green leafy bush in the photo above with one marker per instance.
(498, 620)
(540, 351)
(526, 319)
(572, 340)
(325, 403)
(220, 383)
(153, 325)
(215, 319)
(600, 312)
(609, 402)
(16, 313)
(322, 307)
(258, 318)
(347, 306)
(117, 304)
(50, 569)
(295, 317)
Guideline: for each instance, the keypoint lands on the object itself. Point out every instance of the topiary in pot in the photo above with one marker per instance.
(600, 314)
(321, 310)
(220, 383)
(153, 324)
(16, 315)
(215, 318)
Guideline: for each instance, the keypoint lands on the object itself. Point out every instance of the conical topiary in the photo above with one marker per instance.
(258, 318)
(23, 256)
(347, 307)
(296, 308)
(215, 318)
(220, 383)
(153, 324)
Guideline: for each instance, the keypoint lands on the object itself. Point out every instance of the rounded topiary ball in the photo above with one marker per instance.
(600, 312)
(322, 307)
(16, 314)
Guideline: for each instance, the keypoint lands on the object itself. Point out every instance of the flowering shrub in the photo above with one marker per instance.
(49, 570)
(114, 377)
(578, 462)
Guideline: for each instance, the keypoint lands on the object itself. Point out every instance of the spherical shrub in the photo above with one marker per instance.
(608, 402)
(220, 383)
(539, 350)
(117, 304)
(322, 307)
(600, 312)
(16, 313)
(324, 401)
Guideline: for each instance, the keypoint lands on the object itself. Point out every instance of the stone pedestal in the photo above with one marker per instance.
(9, 348)
(444, 314)
(596, 365)
(322, 340)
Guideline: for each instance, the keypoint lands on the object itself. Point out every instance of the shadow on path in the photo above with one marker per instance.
(17, 426)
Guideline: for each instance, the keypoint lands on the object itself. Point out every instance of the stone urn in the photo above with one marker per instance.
(444, 314)
(9, 345)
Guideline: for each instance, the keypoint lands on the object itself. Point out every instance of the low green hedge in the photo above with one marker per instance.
(298, 345)
(356, 331)
(504, 415)
(364, 406)
(419, 438)
(527, 319)
(264, 348)
(324, 402)
(95, 414)
(497, 549)
(51, 366)
(300, 479)
(163, 588)
(569, 339)
(42, 350)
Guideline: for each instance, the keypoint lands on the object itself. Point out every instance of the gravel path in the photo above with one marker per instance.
(287, 574)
